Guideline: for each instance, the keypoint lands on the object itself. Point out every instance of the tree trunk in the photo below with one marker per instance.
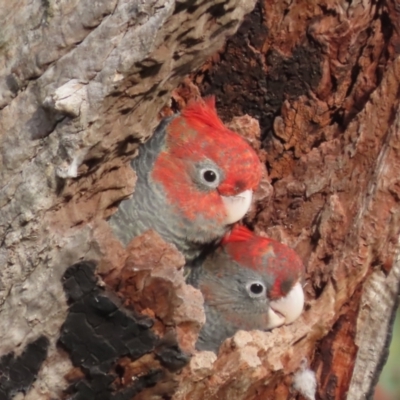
(82, 85)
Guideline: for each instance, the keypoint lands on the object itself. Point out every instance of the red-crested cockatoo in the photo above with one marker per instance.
(249, 282)
(195, 178)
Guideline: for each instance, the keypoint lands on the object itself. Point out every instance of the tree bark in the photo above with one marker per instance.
(83, 83)
(323, 80)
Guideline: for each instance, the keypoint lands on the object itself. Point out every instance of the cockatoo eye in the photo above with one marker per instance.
(256, 289)
(210, 177)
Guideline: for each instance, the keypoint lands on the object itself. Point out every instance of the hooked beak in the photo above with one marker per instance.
(237, 206)
(287, 309)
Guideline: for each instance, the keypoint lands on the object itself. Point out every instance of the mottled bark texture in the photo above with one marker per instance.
(82, 84)
(323, 78)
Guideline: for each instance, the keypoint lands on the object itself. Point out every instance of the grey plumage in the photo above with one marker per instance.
(227, 303)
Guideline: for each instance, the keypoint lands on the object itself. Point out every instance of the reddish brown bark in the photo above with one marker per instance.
(323, 80)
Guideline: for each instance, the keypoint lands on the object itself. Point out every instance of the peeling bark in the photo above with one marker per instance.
(82, 84)
(323, 80)
(82, 87)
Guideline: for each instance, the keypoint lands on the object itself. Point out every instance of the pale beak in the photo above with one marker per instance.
(287, 309)
(237, 206)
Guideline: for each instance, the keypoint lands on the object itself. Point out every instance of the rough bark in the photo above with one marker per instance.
(82, 84)
(323, 79)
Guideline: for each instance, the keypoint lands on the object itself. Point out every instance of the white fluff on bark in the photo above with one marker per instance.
(304, 381)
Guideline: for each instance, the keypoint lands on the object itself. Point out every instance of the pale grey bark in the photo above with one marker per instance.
(76, 80)
(374, 330)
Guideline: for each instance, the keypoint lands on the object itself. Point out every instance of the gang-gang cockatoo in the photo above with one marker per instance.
(249, 282)
(195, 178)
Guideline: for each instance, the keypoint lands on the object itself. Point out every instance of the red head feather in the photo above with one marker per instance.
(203, 113)
(199, 135)
(267, 256)
(239, 233)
